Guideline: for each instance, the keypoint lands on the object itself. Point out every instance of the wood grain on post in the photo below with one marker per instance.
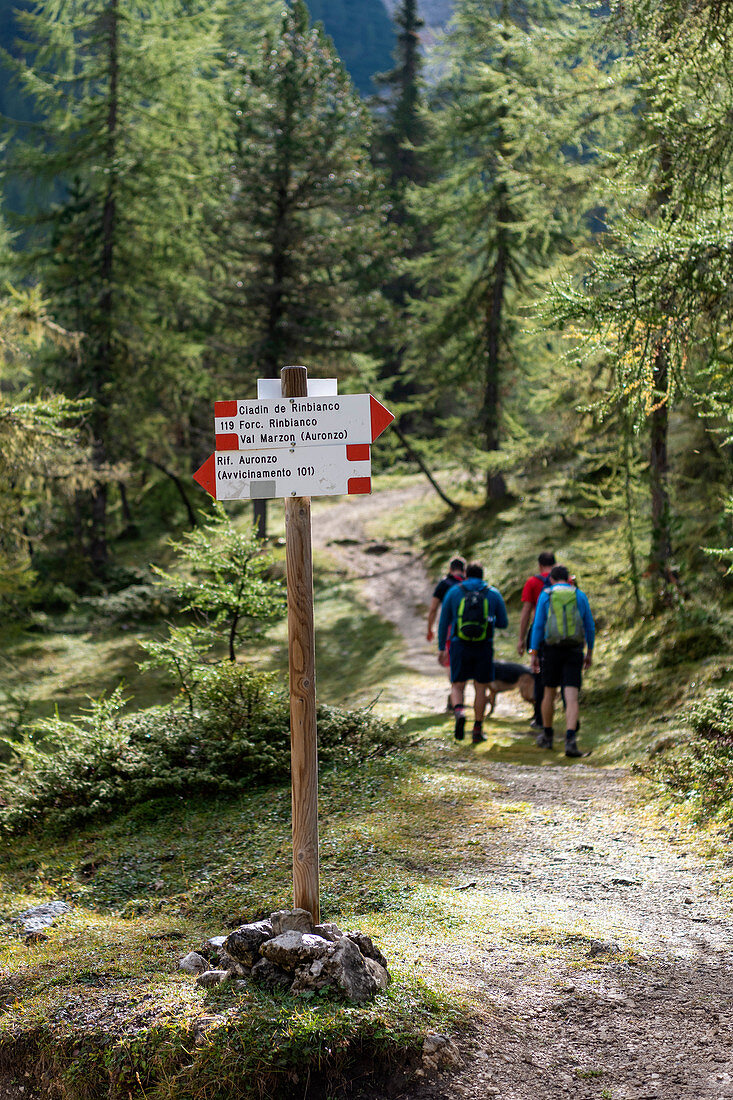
(302, 662)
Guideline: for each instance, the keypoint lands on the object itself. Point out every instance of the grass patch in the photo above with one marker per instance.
(101, 1008)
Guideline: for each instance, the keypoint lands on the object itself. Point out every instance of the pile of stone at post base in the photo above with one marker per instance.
(289, 952)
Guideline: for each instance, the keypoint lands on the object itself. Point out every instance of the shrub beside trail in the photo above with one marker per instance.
(700, 771)
(237, 735)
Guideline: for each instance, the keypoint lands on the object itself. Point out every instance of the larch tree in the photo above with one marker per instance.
(40, 455)
(656, 296)
(507, 132)
(301, 232)
(124, 95)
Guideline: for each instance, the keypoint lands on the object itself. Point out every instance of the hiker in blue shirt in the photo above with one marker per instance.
(471, 610)
(563, 625)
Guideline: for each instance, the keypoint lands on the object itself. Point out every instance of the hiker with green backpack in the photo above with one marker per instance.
(563, 626)
(471, 611)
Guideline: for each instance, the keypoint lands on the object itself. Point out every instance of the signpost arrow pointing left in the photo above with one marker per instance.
(206, 476)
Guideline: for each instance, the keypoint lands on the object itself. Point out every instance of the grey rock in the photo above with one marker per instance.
(597, 947)
(193, 963)
(292, 949)
(244, 942)
(210, 949)
(310, 978)
(346, 970)
(42, 916)
(367, 947)
(291, 920)
(328, 930)
(267, 974)
(434, 1041)
(228, 962)
(213, 977)
(379, 973)
(439, 1052)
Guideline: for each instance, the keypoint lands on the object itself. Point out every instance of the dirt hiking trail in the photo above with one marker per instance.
(617, 980)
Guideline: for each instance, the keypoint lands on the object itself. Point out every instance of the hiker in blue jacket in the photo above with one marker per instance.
(563, 625)
(471, 610)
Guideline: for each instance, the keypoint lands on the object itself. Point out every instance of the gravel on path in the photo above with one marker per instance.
(633, 1000)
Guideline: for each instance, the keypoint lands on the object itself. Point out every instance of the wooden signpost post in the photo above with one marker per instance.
(302, 664)
(304, 443)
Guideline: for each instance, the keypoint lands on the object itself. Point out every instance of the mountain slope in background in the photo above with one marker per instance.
(363, 34)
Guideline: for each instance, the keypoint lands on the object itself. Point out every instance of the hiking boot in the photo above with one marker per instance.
(544, 741)
(478, 734)
(571, 745)
(536, 725)
(460, 731)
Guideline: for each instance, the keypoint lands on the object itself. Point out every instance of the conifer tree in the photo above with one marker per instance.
(121, 89)
(401, 130)
(39, 440)
(399, 148)
(654, 296)
(506, 201)
(300, 230)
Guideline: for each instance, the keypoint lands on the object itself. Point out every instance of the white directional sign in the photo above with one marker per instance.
(285, 472)
(296, 422)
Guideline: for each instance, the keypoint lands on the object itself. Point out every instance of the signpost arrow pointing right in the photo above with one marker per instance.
(381, 417)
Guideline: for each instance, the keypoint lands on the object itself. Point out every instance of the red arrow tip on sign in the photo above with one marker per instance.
(206, 476)
(381, 417)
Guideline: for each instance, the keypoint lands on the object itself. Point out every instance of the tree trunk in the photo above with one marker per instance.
(661, 537)
(495, 483)
(629, 508)
(131, 528)
(660, 550)
(232, 637)
(98, 551)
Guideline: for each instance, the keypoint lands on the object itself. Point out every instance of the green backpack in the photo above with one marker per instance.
(564, 624)
(473, 621)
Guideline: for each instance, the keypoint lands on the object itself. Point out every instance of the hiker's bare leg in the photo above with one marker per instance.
(456, 694)
(548, 706)
(571, 707)
(479, 702)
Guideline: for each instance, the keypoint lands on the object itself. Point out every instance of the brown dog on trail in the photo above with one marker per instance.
(509, 675)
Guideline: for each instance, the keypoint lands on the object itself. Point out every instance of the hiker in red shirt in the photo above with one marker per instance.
(533, 587)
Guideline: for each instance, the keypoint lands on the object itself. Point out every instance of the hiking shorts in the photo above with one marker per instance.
(471, 661)
(562, 666)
